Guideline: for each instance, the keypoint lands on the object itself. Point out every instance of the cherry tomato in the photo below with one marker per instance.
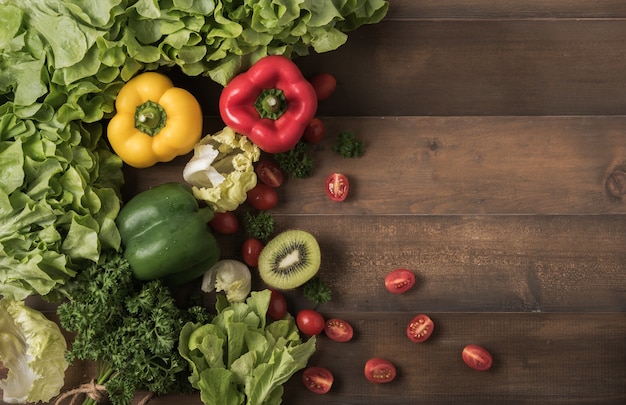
(399, 281)
(318, 379)
(420, 328)
(379, 370)
(324, 85)
(262, 197)
(338, 330)
(225, 223)
(278, 306)
(270, 173)
(251, 250)
(310, 322)
(337, 186)
(314, 131)
(477, 357)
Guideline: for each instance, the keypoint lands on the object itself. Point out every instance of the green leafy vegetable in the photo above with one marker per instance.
(317, 291)
(130, 329)
(260, 225)
(32, 349)
(240, 358)
(297, 161)
(348, 146)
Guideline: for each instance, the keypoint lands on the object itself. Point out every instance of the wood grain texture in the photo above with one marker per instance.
(455, 166)
(491, 129)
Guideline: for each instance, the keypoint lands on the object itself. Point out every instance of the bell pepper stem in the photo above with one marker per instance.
(206, 213)
(271, 103)
(150, 118)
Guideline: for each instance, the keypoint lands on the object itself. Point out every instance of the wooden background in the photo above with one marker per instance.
(493, 129)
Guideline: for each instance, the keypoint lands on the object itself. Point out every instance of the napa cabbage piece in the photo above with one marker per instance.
(221, 169)
(32, 354)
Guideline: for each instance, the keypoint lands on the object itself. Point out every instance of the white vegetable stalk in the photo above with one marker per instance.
(231, 276)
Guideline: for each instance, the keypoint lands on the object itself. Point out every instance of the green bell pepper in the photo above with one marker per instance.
(165, 235)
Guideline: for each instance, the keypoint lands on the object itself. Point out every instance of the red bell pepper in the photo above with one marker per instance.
(271, 104)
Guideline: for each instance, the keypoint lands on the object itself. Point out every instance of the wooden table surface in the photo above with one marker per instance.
(493, 131)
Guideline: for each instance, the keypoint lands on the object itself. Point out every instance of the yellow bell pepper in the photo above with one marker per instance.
(154, 122)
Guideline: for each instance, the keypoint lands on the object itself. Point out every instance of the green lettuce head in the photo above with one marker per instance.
(32, 354)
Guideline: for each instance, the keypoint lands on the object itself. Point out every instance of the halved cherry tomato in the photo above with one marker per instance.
(270, 173)
(324, 85)
(338, 330)
(310, 322)
(337, 186)
(225, 223)
(399, 281)
(318, 379)
(420, 328)
(251, 250)
(262, 197)
(379, 370)
(314, 131)
(278, 306)
(477, 357)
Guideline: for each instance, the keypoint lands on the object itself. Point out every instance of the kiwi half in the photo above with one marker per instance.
(290, 259)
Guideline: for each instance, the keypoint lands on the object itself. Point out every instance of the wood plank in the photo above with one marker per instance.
(504, 9)
(465, 264)
(538, 358)
(455, 166)
(468, 67)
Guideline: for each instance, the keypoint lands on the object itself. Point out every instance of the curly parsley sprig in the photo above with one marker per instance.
(348, 146)
(130, 329)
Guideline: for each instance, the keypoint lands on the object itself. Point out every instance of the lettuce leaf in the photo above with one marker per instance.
(240, 358)
(32, 352)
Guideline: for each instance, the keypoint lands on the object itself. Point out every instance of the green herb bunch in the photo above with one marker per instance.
(130, 329)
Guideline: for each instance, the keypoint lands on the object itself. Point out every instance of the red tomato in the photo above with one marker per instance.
(262, 197)
(278, 306)
(338, 330)
(420, 328)
(225, 223)
(324, 85)
(399, 281)
(310, 322)
(477, 357)
(251, 250)
(314, 131)
(318, 379)
(270, 173)
(337, 186)
(379, 370)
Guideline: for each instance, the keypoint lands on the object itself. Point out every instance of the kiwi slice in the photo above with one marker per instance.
(290, 259)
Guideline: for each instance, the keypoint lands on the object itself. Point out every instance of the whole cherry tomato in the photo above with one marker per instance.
(225, 223)
(477, 357)
(338, 330)
(324, 85)
(337, 186)
(310, 322)
(270, 173)
(379, 370)
(251, 250)
(399, 281)
(314, 131)
(262, 197)
(278, 306)
(318, 379)
(420, 328)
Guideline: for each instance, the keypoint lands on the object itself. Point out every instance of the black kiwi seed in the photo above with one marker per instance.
(290, 259)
